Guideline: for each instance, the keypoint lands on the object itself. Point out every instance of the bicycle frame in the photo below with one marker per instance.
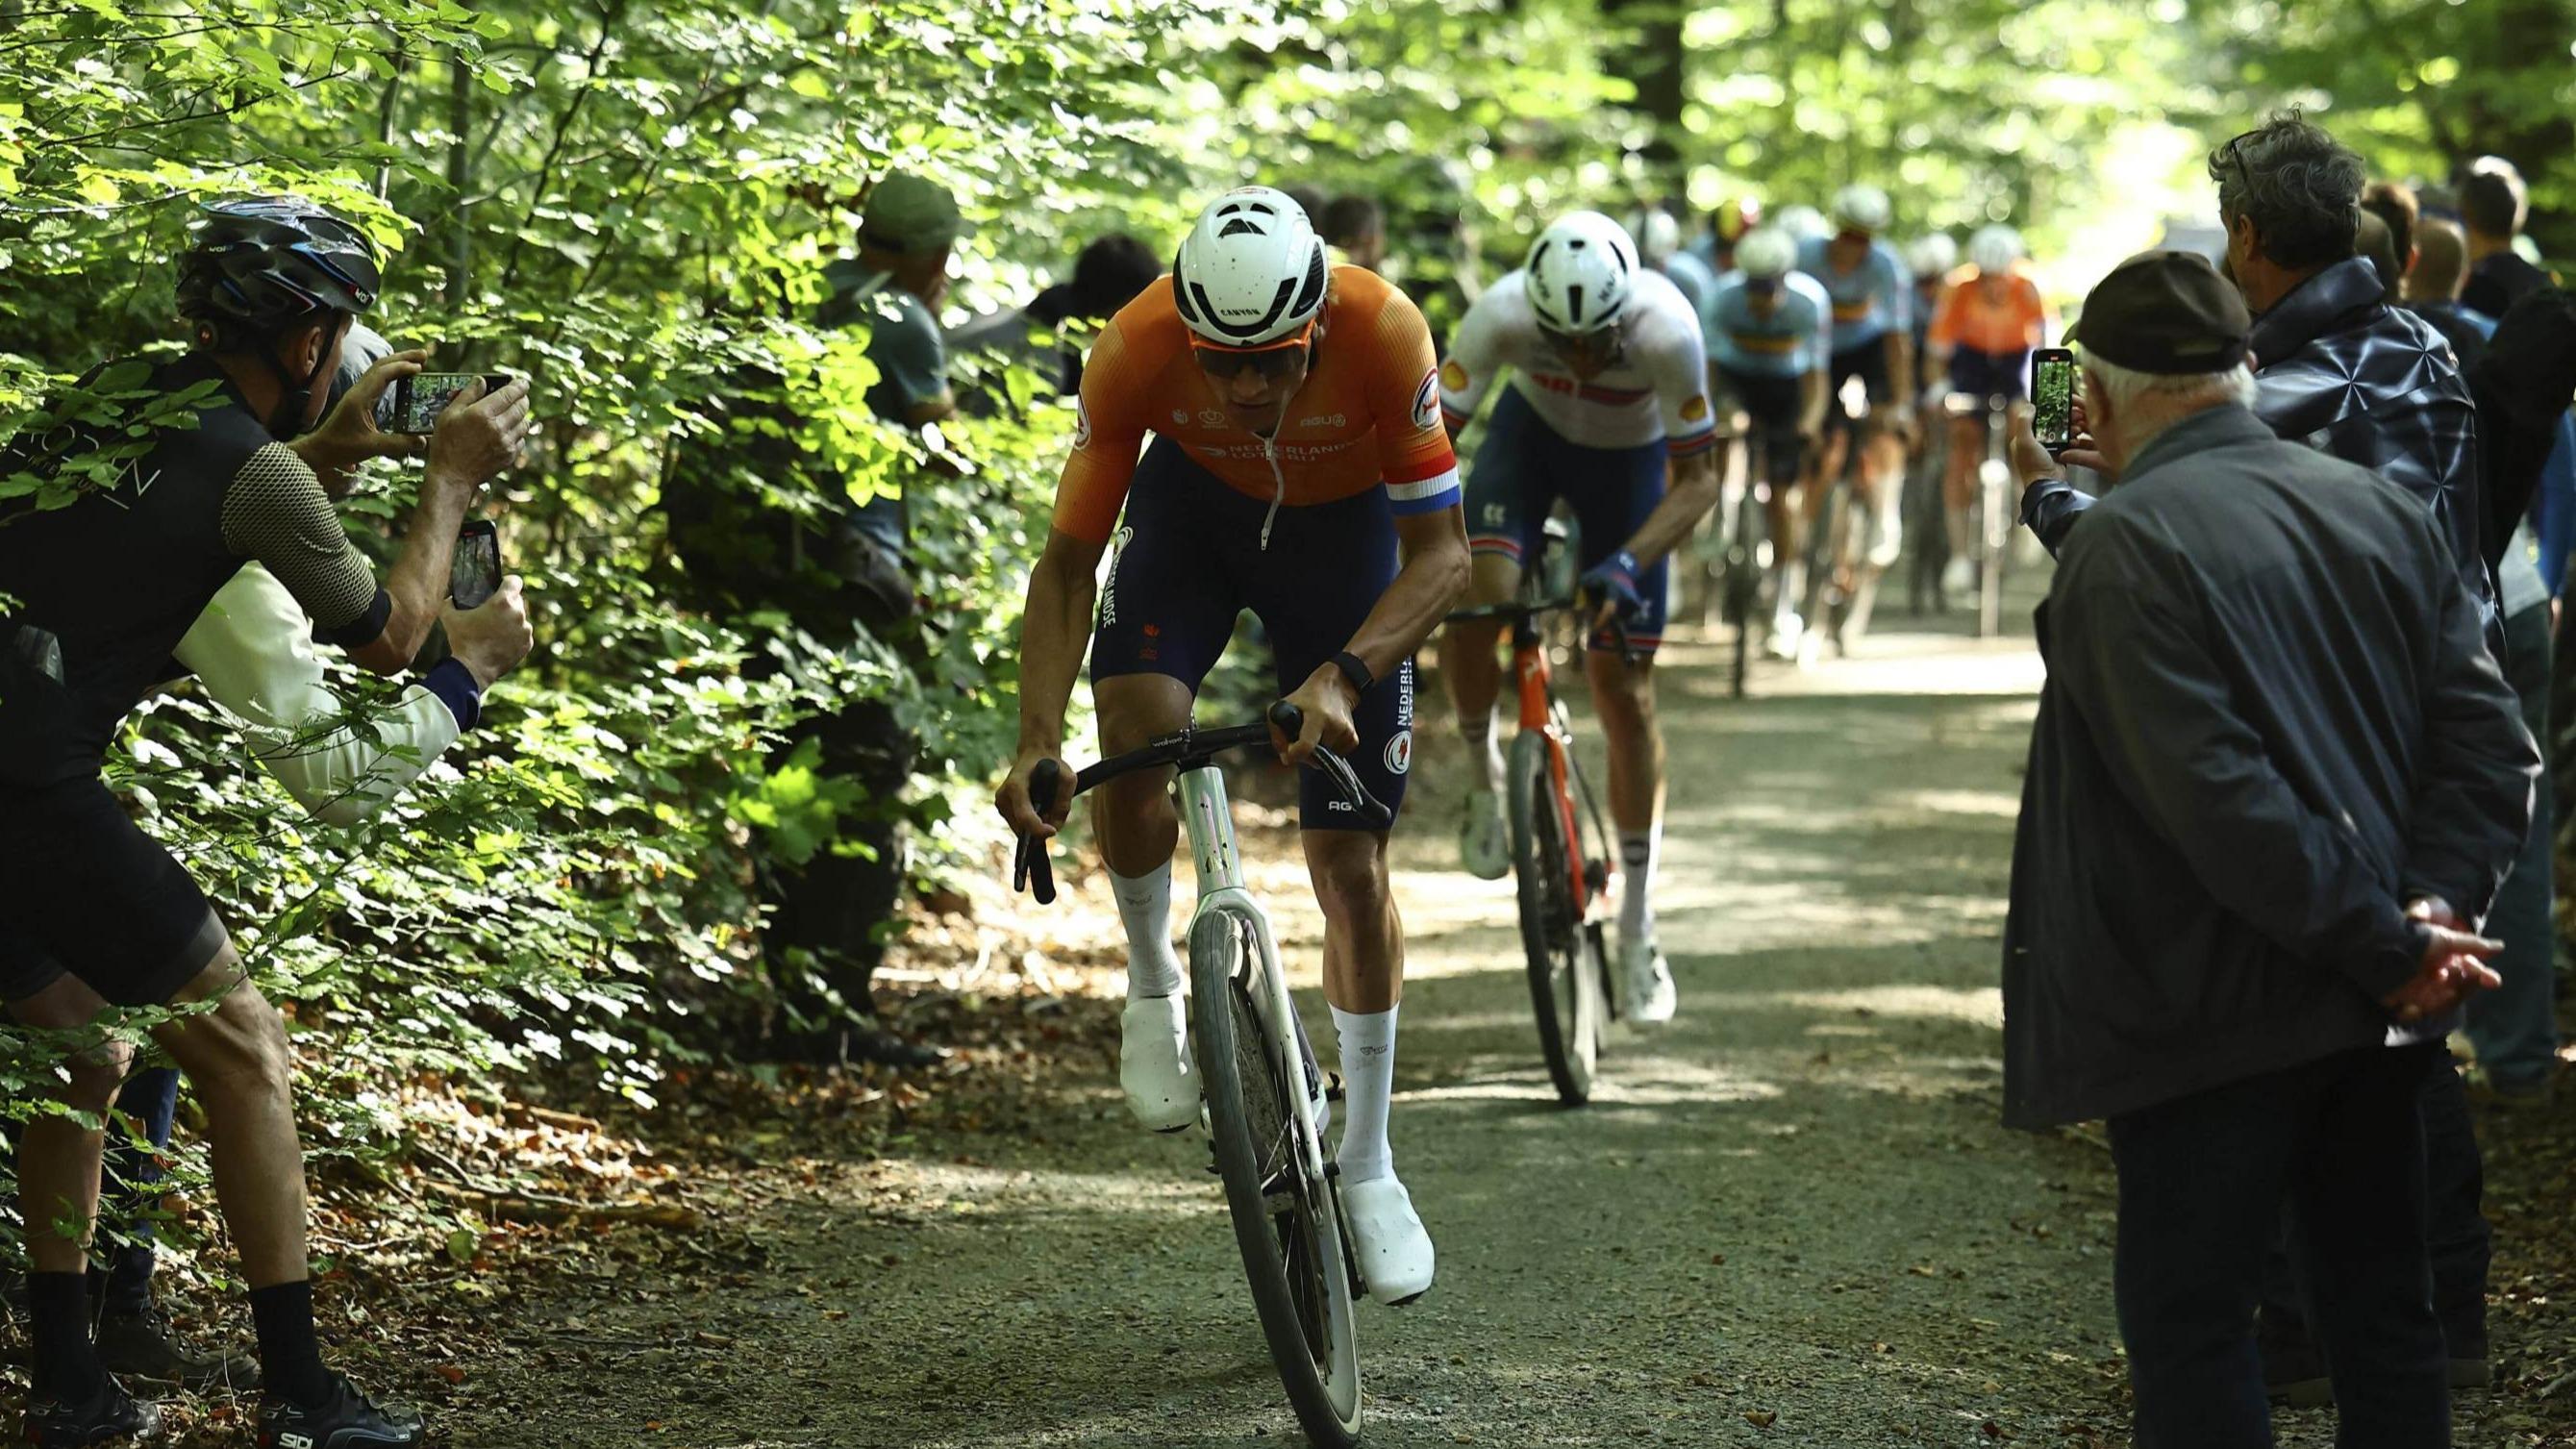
(1541, 712)
(1208, 815)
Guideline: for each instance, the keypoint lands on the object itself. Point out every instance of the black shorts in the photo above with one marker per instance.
(1982, 375)
(1190, 561)
(1524, 466)
(1868, 362)
(1771, 407)
(84, 891)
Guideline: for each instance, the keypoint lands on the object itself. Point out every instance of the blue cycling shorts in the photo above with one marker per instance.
(1189, 561)
(1524, 466)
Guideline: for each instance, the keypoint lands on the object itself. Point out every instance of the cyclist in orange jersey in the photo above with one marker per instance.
(1981, 340)
(1298, 468)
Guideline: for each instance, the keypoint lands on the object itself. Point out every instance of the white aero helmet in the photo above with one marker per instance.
(1658, 235)
(1579, 273)
(1804, 223)
(1931, 256)
(1251, 271)
(1861, 208)
(1766, 254)
(1995, 248)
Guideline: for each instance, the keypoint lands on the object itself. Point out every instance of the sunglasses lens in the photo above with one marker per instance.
(1277, 362)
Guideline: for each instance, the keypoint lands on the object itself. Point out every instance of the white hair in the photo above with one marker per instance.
(2126, 388)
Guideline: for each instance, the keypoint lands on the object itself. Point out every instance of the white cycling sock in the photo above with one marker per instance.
(1963, 533)
(1145, 908)
(1478, 732)
(1638, 850)
(1368, 1082)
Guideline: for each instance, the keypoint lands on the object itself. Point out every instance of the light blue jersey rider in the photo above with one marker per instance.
(1792, 341)
(1867, 301)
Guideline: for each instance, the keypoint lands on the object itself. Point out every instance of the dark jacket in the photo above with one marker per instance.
(2349, 375)
(2267, 726)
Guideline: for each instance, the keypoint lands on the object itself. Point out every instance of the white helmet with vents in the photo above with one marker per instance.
(1862, 208)
(1932, 256)
(1251, 271)
(1995, 248)
(1766, 254)
(1579, 273)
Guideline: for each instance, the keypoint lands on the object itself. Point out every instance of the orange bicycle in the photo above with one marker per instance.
(1560, 861)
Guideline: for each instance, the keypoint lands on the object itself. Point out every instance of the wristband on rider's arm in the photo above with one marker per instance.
(1356, 670)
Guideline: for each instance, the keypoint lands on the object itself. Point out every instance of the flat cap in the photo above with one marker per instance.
(2166, 313)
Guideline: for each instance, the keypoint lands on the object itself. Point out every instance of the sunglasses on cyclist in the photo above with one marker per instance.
(1271, 360)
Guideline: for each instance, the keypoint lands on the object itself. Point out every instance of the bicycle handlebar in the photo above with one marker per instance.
(1513, 613)
(1032, 871)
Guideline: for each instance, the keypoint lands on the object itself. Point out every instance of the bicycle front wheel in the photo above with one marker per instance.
(1564, 978)
(1285, 1218)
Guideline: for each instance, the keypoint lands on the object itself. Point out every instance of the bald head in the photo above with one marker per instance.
(2441, 261)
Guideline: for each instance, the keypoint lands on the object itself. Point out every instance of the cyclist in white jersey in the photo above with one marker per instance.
(1610, 397)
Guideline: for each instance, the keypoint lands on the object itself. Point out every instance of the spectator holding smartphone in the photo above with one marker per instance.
(252, 653)
(2274, 777)
(201, 465)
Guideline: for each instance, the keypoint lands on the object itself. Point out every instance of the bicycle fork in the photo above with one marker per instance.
(1539, 716)
(1208, 816)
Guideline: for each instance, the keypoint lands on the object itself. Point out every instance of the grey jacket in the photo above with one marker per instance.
(2267, 727)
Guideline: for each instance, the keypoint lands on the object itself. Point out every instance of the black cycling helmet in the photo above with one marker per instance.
(258, 265)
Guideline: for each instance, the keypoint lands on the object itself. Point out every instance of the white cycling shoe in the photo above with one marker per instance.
(1959, 576)
(1154, 1063)
(1485, 841)
(1647, 980)
(1388, 1240)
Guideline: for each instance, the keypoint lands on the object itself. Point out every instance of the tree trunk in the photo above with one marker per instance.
(460, 179)
(1652, 57)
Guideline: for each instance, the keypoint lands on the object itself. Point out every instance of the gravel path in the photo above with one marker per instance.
(1788, 1218)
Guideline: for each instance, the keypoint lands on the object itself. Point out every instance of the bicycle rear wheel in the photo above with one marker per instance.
(1564, 973)
(1742, 582)
(1286, 1221)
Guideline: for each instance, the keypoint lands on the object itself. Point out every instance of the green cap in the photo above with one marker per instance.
(906, 213)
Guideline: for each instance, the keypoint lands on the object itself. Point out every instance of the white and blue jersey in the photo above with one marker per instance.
(1868, 301)
(1796, 339)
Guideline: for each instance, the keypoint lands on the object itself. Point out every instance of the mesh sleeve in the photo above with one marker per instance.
(276, 512)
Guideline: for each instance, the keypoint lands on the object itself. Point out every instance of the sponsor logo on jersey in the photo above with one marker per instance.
(1332, 420)
(1695, 410)
(1211, 418)
(1180, 417)
(1453, 376)
(1081, 425)
(1426, 400)
(1399, 752)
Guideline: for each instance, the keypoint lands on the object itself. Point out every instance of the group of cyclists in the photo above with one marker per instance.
(1265, 429)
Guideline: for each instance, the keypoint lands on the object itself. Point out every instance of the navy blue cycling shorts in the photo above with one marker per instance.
(1190, 561)
(1524, 466)
(1983, 375)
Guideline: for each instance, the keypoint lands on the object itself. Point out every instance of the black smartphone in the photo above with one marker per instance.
(2052, 393)
(416, 401)
(474, 574)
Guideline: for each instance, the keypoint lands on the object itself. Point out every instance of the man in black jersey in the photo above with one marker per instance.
(109, 562)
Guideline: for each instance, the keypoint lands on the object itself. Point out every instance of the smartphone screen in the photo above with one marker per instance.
(474, 574)
(419, 399)
(2052, 391)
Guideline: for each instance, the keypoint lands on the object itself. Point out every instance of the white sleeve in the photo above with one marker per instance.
(1475, 354)
(1678, 361)
(252, 652)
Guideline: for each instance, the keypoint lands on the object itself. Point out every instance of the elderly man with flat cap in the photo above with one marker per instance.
(2273, 776)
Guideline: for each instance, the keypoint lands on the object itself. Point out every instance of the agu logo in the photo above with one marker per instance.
(1426, 400)
(1399, 752)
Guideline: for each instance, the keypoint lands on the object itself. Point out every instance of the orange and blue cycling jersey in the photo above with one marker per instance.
(1367, 417)
(1998, 326)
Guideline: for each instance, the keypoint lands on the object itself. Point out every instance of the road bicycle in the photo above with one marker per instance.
(1262, 1089)
(1560, 859)
(1992, 510)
